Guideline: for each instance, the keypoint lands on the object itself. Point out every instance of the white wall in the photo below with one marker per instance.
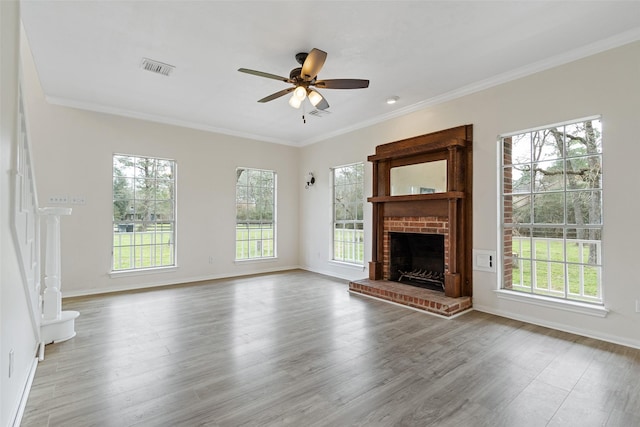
(17, 333)
(608, 84)
(73, 156)
(316, 215)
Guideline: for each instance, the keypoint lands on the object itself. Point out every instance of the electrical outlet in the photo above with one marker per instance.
(638, 306)
(210, 260)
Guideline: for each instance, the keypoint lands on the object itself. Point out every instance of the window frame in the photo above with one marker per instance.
(273, 221)
(172, 235)
(358, 224)
(572, 301)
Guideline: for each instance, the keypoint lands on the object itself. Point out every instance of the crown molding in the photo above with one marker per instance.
(64, 102)
(527, 70)
(518, 73)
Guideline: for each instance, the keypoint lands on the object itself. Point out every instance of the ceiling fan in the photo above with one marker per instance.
(304, 78)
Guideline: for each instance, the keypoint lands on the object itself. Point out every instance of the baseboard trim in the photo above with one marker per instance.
(351, 273)
(173, 282)
(558, 326)
(17, 420)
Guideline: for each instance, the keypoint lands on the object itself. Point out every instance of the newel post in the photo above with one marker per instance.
(57, 325)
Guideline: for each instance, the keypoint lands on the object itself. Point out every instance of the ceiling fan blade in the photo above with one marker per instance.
(342, 84)
(312, 65)
(263, 74)
(276, 95)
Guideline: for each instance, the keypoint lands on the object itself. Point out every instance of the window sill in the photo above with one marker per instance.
(142, 271)
(251, 260)
(571, 306)
(359, 267)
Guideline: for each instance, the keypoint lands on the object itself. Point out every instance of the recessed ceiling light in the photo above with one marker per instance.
(392, 100)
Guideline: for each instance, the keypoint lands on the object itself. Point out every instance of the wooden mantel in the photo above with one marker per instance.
(455, 146)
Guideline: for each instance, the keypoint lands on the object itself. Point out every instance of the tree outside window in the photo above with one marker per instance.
(143, 212)
(255, 213)
(348, 213)
(552, 211)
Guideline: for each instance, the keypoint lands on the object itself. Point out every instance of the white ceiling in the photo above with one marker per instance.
(88, 55)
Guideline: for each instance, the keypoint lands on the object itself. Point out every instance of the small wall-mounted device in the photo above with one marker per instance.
(484, 260)
(310, 180)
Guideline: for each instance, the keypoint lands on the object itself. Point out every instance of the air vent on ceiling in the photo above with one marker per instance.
(157, 66)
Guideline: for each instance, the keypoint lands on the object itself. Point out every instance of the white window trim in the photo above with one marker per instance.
(256, 260)
(343, 263)
(275, 221)
(142, 271)
(591, 309)
(552, 125)
(553, 303)
(162, 268)
(351, 265)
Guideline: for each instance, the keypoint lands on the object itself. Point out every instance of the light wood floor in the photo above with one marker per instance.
(297, 349)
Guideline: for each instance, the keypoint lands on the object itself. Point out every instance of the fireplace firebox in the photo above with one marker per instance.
(417, 259)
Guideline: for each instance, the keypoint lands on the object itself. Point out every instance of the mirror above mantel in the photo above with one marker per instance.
(420, 178)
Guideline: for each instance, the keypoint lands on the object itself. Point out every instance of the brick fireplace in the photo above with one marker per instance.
(445, 212)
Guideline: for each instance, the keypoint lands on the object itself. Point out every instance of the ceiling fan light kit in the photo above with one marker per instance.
(314, 97)
(295, 102)
(305, 76)
(300, 93)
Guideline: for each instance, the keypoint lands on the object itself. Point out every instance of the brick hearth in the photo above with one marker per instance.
(412, 296)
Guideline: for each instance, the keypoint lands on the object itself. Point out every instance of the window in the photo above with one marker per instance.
(348, 213)
(143, 212)
(255, 214)
(552, 211)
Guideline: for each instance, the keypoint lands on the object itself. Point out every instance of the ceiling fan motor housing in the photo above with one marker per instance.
(301, 56)
(295, 73)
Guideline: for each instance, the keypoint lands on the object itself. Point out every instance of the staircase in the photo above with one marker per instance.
(48, 321)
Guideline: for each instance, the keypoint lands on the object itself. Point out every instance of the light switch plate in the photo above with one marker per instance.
(58, 200)
(484, 260)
